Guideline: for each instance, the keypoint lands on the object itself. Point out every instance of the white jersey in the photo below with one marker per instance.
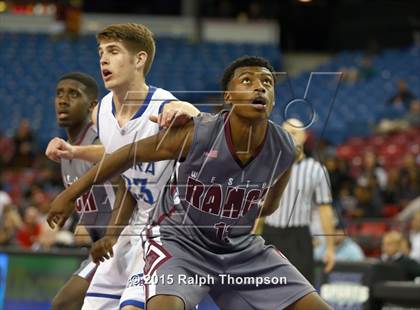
(143, 180)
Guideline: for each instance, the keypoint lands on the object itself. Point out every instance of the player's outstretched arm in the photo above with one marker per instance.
(272, 200)
(173, 143)
(176, 114)
(58, 149)
(122, 211)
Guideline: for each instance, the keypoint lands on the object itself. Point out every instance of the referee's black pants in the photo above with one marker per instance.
(296, 244)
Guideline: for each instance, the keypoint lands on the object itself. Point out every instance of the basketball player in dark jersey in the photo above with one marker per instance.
(235, 166)
(76, 95)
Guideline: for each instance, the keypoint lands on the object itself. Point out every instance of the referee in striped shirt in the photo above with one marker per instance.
(288, 227)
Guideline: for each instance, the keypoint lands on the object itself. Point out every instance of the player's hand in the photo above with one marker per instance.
(329, 260)
(171, 118)
(58, 148)
(60, 210)
(102, 249)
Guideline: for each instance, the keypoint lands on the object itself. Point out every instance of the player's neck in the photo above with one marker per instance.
(247, 135)
(128, 98)
(74, 132)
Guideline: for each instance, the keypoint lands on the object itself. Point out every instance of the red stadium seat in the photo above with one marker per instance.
(373, 228)
(390, 210)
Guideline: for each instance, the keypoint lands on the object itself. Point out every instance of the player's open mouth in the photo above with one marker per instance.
(106, 74)
(62, 114)
(259, 103)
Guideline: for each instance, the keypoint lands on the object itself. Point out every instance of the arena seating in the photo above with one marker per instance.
(28, 81)
(390, 149)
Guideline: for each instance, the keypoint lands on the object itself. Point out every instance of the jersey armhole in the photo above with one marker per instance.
(97, 117)
(165, 102)
(194, 139)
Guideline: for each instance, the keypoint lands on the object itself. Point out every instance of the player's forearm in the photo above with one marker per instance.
(327, 222)
(183, 106)
(114, 164)
(272, 200)
(91, 153)
(258, 226)
(123, 210)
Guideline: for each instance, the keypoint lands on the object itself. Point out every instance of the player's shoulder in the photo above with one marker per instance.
(107, 97)
(208, 122)
(316, 164)
(105, 102)
(91, 135)
(280, 134)
(204, 117)
(162, 94)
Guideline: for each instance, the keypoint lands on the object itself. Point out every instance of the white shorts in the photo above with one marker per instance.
(118, 281)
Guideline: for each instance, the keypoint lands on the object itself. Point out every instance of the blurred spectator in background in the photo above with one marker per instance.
(31, 229)
(369, 201)
(392, 190)
(393, 253)
(413, 115)
(25, 146)
(414, 236)
(7, 149)
(363, 71)
(37, 198)
(371, 183)
(4, 200)
(340, 180)
(410, 119)
(366, 69)
(347, 202)
(346, 249)
(339, 173)
(373, 172)
(409, 210)
(10, 222)
(409, 179)
(403, 95)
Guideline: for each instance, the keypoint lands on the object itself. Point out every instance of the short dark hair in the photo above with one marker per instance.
(90, 83)
(135, 37)
(244, 61)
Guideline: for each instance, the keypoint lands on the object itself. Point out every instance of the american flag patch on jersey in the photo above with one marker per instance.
(211, 154)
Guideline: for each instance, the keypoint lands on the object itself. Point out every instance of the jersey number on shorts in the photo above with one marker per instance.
(145, 193)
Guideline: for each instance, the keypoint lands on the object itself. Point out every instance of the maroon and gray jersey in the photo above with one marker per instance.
(214, 199)
(94, 207)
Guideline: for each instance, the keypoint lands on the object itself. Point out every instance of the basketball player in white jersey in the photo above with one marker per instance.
(122, 117)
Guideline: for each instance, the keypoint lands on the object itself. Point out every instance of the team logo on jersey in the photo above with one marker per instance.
(235, 203)
(86, 203)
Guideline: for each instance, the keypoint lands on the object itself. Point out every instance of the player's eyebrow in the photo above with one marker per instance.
(108, 47)
(256, 73)
(245, 73)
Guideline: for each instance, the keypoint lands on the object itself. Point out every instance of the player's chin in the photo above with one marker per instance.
(64, 123)
(110, 84)
(253, 113)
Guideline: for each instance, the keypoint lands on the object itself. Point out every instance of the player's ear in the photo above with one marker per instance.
(227, 97)
(93, 104)
(141, 58)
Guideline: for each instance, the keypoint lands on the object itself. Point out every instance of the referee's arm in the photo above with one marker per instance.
(327, 221)
(323, 199)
